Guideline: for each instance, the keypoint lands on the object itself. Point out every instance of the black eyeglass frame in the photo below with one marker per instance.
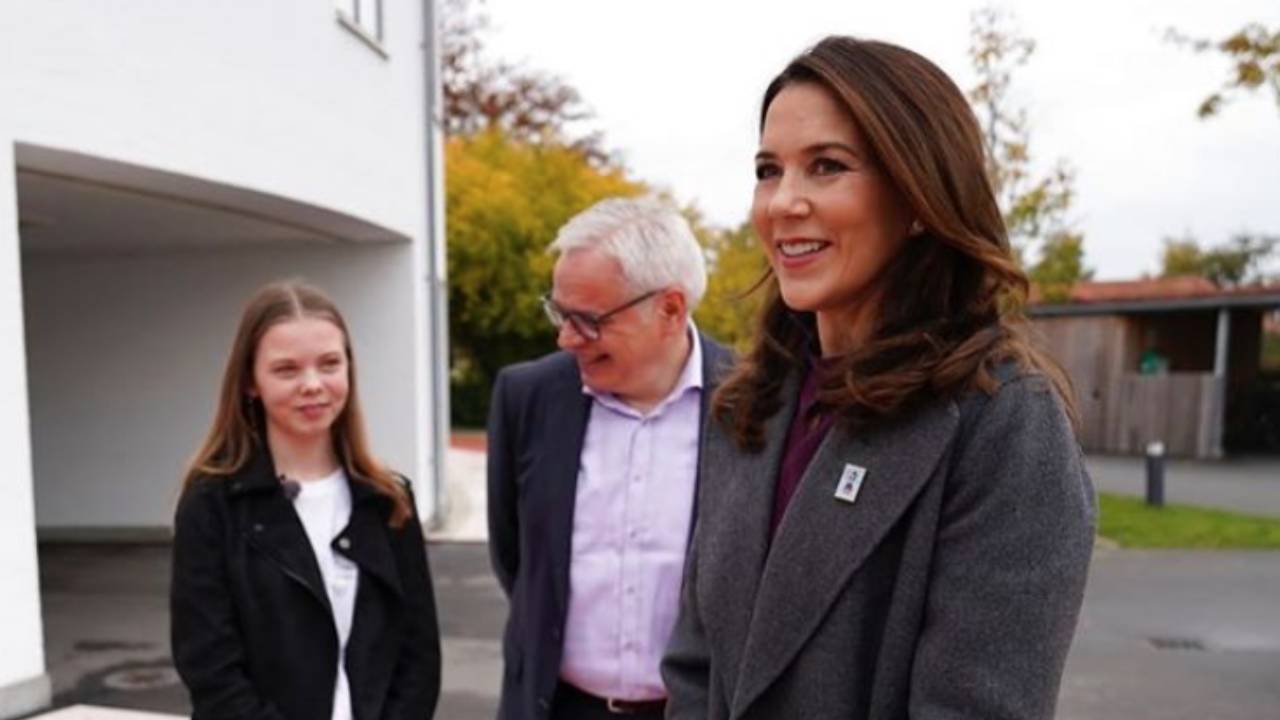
(588, 325)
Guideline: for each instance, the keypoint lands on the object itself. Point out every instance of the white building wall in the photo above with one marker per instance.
(274, 96)
(116, 385)
(128, 367)
(23, 684)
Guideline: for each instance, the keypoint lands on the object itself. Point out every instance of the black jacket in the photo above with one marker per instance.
(252, 631)
(537, 421)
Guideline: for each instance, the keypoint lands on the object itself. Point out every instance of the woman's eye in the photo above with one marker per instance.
(331, 364)
(827, 166)
(286, 370)
(765, 171)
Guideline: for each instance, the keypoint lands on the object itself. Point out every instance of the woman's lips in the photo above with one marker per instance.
(796, 253)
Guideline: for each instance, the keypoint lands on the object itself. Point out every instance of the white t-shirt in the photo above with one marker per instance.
(324, 506)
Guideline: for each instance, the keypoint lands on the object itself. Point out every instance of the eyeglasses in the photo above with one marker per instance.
(587, 324)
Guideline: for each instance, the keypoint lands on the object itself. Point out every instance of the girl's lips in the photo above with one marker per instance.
(314, 411)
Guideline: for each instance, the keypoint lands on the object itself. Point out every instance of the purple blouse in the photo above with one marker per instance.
(808, 428)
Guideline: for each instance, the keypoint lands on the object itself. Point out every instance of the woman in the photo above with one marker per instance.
(300, 581)
(895, 521)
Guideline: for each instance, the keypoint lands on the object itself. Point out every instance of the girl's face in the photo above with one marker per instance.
(301, 374)
(829, 220)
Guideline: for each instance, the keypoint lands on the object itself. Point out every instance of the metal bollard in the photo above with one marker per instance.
(1155, 474)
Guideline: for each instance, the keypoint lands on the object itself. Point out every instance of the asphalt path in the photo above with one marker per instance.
(1163, 635)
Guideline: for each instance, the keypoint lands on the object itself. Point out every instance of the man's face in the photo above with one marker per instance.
(629, 354)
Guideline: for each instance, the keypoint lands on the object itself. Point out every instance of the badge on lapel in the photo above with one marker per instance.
(850, 483)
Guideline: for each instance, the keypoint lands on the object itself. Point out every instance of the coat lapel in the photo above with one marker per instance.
(568, 410)
(737, 488)
(822, 541)
(275, 529)
(368, 544)
(717, 362)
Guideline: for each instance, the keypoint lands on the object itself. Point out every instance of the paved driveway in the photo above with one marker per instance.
(1164, 635)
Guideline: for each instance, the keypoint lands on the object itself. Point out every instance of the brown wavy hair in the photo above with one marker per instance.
(238, 426)
(952, 299)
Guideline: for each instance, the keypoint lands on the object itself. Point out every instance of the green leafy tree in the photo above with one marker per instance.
(1035, 205)
(735, 266)
(517, 167)
(1181, 256)
(1254, 54)
(1061, 265)
(1241, 260)
(506, 200)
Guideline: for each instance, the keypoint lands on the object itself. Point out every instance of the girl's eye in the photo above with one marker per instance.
(765, 171)
(286, 370)
(331, 363)
(827, 166)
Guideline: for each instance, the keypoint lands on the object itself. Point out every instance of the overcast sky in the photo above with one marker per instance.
(675, 87)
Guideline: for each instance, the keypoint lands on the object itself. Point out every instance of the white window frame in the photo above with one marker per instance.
(365, 20)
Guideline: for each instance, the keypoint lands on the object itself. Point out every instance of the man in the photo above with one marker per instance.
(593, 462)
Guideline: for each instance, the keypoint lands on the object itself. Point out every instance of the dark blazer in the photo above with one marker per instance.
(949, 588)
(252, 630)
(537, 422)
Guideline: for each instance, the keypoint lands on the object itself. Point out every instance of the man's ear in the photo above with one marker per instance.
(672, 305)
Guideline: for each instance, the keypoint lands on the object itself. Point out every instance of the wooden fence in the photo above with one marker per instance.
(1182, 410)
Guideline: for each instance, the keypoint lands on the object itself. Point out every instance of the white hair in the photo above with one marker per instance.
(650, 240)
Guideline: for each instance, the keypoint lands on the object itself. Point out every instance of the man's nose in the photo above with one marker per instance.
(568, 337)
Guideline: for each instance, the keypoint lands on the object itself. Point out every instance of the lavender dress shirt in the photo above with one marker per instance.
(631, 525)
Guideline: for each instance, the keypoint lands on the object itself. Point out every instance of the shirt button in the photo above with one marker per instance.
(544, 703)
(344, 543)
(257, 527)
(631, 590)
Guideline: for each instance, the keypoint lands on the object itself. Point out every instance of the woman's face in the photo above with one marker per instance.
(300, 372)
(829, 220)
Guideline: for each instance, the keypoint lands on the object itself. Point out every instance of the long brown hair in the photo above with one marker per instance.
(952, 298)
(237, 431)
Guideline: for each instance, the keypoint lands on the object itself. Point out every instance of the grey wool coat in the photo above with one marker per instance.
(949, 588)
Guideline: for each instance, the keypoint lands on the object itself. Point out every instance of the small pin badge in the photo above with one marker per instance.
(850, 483)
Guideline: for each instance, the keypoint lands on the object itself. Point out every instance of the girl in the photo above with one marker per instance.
(300, 582)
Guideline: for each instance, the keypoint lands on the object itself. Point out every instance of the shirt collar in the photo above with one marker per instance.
(690, 379)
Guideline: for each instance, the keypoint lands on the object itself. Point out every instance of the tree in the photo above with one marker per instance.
(515, 171)
(735, 267)
(1060, 266)
(1254, 52)
(1035, 206)
(506, 200)
(481, 93)
(1239, 261)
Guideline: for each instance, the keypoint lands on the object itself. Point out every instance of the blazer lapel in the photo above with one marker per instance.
(738, 489)
(822, 540)
(565, 425)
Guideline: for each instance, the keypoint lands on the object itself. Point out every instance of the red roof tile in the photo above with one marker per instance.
(1174, 288)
